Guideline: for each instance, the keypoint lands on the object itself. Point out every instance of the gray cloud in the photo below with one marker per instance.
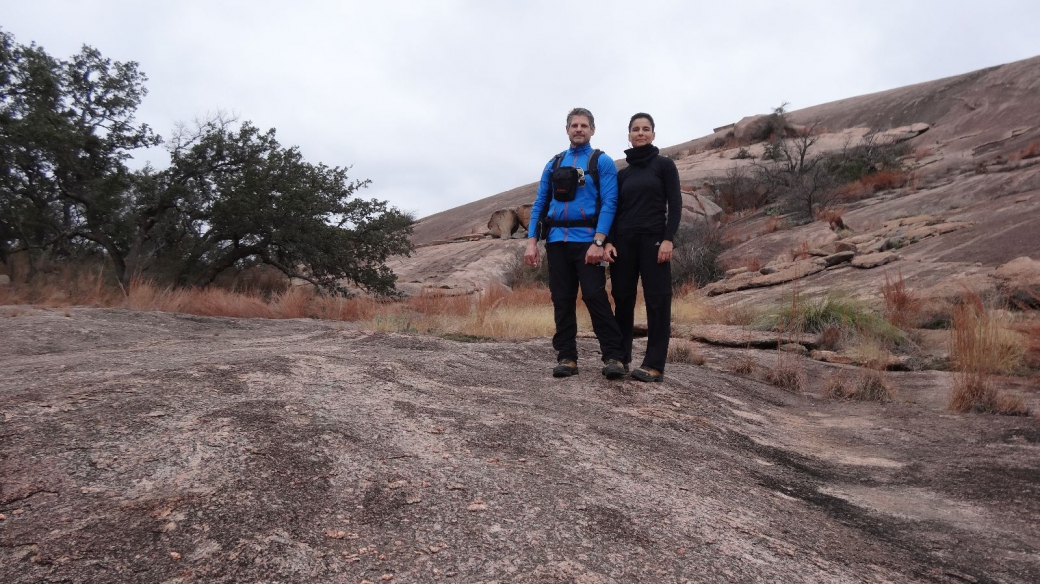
(441, 103)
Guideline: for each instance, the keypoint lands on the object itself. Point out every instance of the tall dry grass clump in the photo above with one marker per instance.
(902, 307)
(787, 375)
(522, 313)
(982, 348)
(82, 284)
(684, 351)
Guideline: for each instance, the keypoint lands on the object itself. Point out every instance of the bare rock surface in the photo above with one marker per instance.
(162, 448)
(873, 260)
(770, 276)
(460, 267)
(740, 336)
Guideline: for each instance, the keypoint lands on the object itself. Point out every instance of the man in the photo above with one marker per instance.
(577, 204)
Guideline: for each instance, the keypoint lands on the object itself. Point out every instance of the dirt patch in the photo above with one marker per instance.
(146, 448)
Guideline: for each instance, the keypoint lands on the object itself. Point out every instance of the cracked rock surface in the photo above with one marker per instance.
(162, 448)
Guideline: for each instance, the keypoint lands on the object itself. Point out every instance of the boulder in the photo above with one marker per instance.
(839, 258)
(788, 272)
(874, 260)
(735, 271)
(908, 221)
(830, 357)
(503, 223)
(523, 213)
(5, 280)
(1020, 282)
(902, 133)
(701, 206)
(841, 246)
(738, 282)
(752, 129)
(738, 336)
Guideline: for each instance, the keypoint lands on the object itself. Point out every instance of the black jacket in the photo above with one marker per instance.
(649, 200)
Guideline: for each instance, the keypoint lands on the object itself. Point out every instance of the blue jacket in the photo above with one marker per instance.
(584, 203)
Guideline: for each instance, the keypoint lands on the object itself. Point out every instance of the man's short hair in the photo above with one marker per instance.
(641, 115)
(580, 111)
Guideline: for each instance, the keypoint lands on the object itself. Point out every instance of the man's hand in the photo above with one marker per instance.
(531, 253)
(664, 252)
(609, 253)
(595, 254)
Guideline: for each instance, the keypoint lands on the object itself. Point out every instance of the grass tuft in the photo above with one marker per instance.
(980, 349)
(744, 366)
(833, 310)
(788, 376)
(902, 308)
(683, 351)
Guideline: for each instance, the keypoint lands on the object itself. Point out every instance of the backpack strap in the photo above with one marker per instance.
(542, 218)
(594, 171)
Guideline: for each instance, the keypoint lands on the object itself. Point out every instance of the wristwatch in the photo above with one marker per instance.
(598, 242)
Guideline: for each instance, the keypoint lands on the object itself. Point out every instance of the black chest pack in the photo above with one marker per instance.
(564, 184)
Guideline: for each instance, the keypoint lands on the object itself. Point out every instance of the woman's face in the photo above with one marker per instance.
(640, 133)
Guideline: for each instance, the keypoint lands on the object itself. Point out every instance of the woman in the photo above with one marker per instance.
(640, 244)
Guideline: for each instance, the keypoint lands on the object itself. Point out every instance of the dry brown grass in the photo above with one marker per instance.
(787, 375)
(980, 350)
(868, 385)
(872, 385)
(771, 225)
(522, 313)
(902, 308)
(884, 180)
(801, 251)
(831, 338)
(1031, 332)
(686, 352)
(837, 385)
(744, 365)
(854, 191)
(689, 307)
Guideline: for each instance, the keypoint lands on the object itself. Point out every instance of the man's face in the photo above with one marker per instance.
(579, 131)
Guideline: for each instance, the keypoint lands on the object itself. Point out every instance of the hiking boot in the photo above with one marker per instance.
(648, 374)
(613, 369)
(565, 368)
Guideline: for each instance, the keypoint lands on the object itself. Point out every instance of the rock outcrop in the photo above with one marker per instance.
(523, 213)
(739, 336)
(504, 223)
(1020, 282)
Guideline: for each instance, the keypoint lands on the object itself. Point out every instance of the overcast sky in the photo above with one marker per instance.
(444, 102)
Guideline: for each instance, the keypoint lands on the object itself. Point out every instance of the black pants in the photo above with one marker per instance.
(567, 271)
(637, 257)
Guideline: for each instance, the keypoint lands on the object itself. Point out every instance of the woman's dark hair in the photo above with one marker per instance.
(642, 115)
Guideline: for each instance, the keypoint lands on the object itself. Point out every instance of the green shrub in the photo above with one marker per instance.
(833, 310)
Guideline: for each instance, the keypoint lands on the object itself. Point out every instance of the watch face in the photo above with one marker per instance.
(598, 242)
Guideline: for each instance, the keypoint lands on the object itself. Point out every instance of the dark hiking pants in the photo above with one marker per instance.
(637, 258)
(568, 271)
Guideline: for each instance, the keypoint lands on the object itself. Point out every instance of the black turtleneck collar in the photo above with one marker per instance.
(641, 155)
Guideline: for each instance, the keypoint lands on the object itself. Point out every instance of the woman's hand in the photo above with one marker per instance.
(609, 253)
(664, 252)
